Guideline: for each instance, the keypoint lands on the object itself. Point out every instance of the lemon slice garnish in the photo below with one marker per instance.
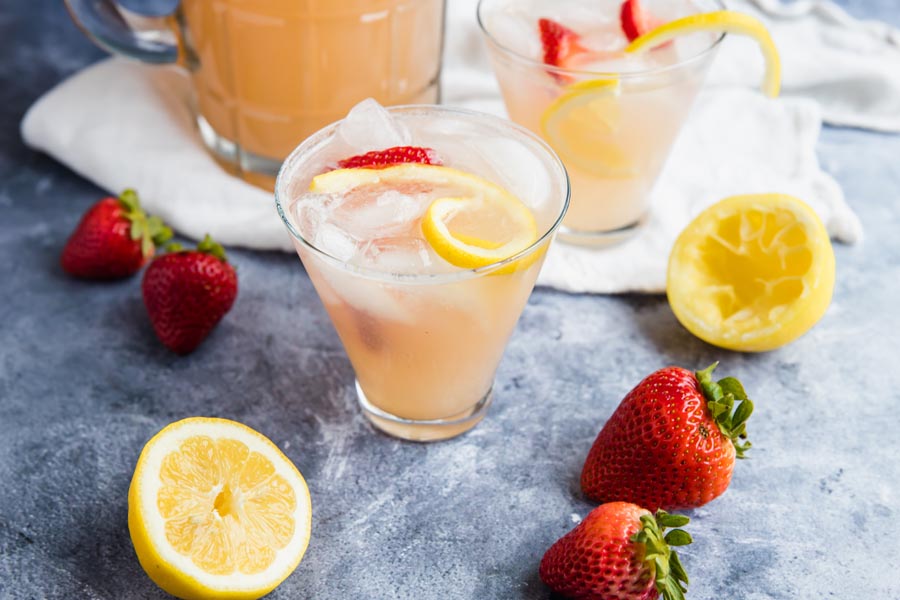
(581, 125)
(725, 21)
(216, 510)
(752, 273)
(476, 224)
(473, 232)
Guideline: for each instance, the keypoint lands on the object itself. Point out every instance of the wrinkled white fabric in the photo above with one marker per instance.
(121, 124)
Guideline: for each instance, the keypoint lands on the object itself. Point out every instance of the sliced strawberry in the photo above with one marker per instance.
(636, 21)
(560, 43)
(379, 159)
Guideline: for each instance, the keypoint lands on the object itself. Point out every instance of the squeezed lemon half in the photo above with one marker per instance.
(477, 224)
(724, 21)
(215, 510)
(752, 273)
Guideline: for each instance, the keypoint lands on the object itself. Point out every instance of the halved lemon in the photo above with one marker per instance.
(215, 510)
(580, 124)
(724, 21)
(752, 273)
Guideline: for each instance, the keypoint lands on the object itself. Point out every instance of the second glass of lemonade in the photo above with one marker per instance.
(611, 116)
(423, 230)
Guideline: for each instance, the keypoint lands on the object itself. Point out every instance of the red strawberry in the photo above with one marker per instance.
(619, 553)
(114, 239)
(561, 44)
(187, 292)
(671, 442)
(636, 21)
(379, 159)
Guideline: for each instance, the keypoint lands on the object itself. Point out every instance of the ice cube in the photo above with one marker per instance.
(516, 31)
(510, 164)
(582, 16)
(398, 255)
(333, 240)
(390, 213)
(368, 126)
(310, 211)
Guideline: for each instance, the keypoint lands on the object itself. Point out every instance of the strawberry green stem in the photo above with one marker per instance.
(669, 575)
(729, 405)
(150, 230)
(209, 246)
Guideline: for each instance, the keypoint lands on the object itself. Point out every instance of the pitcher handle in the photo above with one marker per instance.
(120, 31)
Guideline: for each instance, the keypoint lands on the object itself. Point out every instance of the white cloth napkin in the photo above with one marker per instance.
(121, 125)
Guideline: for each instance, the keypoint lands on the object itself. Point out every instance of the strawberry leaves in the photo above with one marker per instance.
(729, 405)
(151, 231)
(209, 246)
(670, 577)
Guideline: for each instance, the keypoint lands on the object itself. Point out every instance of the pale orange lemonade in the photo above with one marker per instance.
(268, 73)
(612, 117)
(424, 335)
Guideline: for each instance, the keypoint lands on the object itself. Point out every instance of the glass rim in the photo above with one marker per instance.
(598, 74)
(314, 141)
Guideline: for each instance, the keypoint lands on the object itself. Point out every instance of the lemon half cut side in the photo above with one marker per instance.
(752, 273)
(215, 510)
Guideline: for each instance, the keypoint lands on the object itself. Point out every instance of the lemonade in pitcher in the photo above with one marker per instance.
(268, 73)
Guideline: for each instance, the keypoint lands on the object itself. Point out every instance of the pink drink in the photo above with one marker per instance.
(424, 336)
(614, 139)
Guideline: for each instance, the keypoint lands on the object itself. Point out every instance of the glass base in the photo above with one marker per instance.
(601, 239)
(253, 168)
(424, 431)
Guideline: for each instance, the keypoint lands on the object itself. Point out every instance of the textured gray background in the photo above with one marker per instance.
(83, 384)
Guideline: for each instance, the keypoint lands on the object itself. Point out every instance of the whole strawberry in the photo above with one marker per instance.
(187, 292)
(619, 552)
(672, 441)
(113, 240)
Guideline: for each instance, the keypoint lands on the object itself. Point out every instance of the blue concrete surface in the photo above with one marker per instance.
(83, 384)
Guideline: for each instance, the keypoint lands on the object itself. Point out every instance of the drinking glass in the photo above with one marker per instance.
(613, 123)
(425, 346)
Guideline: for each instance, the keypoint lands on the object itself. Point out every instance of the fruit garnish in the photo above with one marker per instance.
(672, 441)
(476, 231)
(561, 45)
(216, 510)
(391, 156)
(473, 223)
(752, 273)
(113, 240)
(723, 21)
(635, 20)
(579, 125)
(620, 551)
(187, 292)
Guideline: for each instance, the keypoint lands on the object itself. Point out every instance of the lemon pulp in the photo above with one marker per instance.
(215, 509)
(752, 272)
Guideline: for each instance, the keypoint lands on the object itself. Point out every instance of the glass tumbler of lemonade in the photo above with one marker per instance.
(268, 73)
(611, 115)
(423, 229)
